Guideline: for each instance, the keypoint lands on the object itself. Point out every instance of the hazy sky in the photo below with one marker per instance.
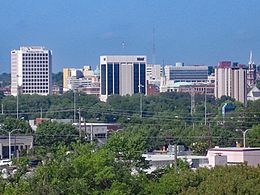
(79, 31)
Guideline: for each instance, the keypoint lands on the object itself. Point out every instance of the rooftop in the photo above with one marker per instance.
(239, 149)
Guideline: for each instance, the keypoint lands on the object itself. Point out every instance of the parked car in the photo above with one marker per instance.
(34, 163)
(4, 162)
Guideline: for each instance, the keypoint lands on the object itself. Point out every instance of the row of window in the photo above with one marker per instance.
(35, 91)
(35, 69)
(36, 62)
(35, 54)
(35, 73)
(35, 58)
(35, 80)
(35, 87)
(35, 65)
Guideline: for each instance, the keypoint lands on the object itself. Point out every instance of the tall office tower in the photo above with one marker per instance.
(191, 73)
(231, 81)
(153, 72)
(122, 75)
(251, 74)
(31, 71)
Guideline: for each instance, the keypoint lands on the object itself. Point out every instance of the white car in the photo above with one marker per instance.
(5, 162)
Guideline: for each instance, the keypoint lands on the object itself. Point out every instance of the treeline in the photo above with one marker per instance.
(165, 119)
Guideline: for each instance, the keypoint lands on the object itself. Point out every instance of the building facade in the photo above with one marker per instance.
(122, 75)
(234, 156)
(191, 73)
(153, 72)
(70, 74)
(84, 80)
(17, 142)
(231, 81)
(31, 71)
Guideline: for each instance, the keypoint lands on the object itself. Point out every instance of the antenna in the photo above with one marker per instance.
(153, 54)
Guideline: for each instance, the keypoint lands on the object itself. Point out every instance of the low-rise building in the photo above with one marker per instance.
(198, 88)
(97, 131)
(233, 156)
(18, 143)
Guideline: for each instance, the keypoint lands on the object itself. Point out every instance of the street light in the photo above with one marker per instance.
(244, 135)
(9, 139)
(205, 105)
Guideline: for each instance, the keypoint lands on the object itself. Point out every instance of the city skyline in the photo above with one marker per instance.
(78, 32)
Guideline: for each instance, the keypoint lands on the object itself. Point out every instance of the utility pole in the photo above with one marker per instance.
(17, 99)
(74, 105)
(209, 135)
(141, 101)
(2, 109)
(41, 112)
(141, 105)
(85, 127)
(205, 105)
(17, 104)
(192, 101)
(91, 133)
(79, 123)
(9, 138)
(175, 158)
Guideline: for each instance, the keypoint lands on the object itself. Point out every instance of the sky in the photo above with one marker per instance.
(79, 31)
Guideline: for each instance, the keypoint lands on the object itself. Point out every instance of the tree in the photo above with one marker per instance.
(21, 126)
(53, 133)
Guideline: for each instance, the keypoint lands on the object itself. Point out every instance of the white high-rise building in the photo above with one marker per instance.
(122, 75)
(31, 71)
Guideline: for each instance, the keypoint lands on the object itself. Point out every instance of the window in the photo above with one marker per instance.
(136, 78)
(103, 79)
(116, 78)
(110, 78)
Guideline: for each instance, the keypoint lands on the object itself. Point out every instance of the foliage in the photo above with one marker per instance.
(5, 79)
(53, 133)
(219, 180)
(11, 124)
(57, 78)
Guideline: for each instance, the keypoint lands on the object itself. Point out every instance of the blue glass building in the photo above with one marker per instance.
(122, 75)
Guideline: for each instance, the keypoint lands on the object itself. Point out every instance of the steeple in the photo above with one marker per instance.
(251, 58)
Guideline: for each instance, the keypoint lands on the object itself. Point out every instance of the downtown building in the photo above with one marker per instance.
(31, 71)
(191, 73)
(189, 77)
(83, 80)
(231, 80)
(122, 75)
(153, 76)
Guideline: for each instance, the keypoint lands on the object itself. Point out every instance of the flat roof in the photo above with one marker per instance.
(96, 124)
(170, 157)
(235, 149)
